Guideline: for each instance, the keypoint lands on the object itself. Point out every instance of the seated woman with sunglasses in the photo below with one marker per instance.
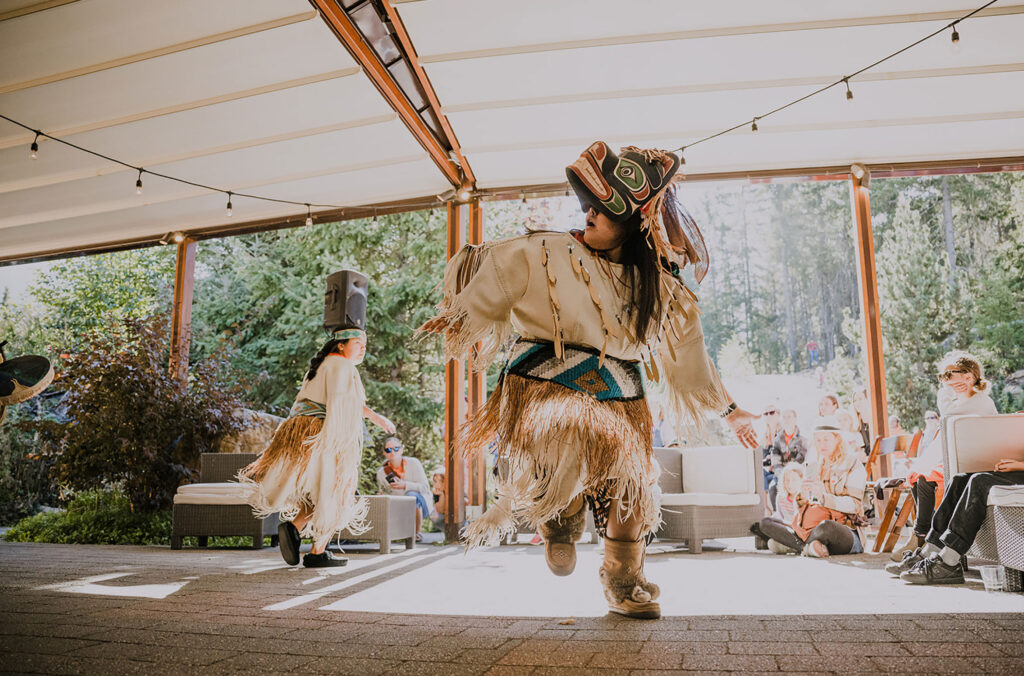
(404, 476)
(963, 390)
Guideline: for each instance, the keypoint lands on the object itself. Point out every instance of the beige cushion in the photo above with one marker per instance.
(1006, 496)
(671, 460)
(221, 493)
(718, 469)
(709, 499)
(975, 443)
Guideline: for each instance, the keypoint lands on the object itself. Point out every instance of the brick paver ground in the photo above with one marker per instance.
(219, 622)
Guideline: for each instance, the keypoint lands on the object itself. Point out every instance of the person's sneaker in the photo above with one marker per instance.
(760, 542)
(933, 570)
(324, 560)
(289, 541)
(908, 561)
(816, 549)
(776, 547)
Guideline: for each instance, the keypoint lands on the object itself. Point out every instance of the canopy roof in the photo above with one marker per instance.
(262, 96)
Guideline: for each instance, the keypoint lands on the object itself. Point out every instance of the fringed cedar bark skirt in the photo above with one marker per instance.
(564, 427)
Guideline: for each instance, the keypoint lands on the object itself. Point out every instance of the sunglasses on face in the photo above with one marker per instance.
(931, 417)
(949, 374)
(392, 449)
(771, 412)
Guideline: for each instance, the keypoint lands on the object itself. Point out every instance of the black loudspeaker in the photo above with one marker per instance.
(345, 301)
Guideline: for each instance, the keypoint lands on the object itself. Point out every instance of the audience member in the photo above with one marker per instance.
(851, 433)
(788, 447)
(440, 500)
(404, 476)
(955, 525)
(895, 429)
(772, 425)
(962, 390)
(827, 524)
(663, 434)
(862, 407)
(827, 406)
(790, 495)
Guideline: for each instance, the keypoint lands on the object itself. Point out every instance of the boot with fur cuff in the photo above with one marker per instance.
(561, 535)
(625, 587)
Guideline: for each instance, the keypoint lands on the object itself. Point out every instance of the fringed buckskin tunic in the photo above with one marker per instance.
(313, 459)
(559, 432)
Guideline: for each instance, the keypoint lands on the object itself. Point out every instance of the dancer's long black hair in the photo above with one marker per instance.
(330, 346)
(642, 269)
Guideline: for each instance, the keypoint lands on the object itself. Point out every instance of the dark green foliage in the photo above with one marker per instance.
(126, 421)
(266, 292)
(25, 481)
(96, 517)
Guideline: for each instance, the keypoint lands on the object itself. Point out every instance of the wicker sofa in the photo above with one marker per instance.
(709, 492)
(216, 507)
(972, 443)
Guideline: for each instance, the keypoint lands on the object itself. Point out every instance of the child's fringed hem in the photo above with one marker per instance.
(694, 406)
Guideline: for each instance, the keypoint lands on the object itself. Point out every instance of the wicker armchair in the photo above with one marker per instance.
(201, 513)
(709, 493)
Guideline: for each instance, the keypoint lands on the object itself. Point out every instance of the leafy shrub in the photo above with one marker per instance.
(128, 422)
(24, 475)
(97, 517)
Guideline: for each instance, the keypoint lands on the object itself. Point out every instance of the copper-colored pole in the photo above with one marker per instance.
(861, 203)
(454, 387)
(181, 317)
(477, 385)
(382, 80)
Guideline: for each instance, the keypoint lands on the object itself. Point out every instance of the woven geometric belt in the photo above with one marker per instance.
(308, 407)
(617, 380)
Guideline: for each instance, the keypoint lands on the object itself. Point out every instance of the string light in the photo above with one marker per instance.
(309, 215)
(849, 93)
(229, 205)
(138, 184)
(179, 237)
(375, 216)
(464, 194)
(955, 37)
(34, 148)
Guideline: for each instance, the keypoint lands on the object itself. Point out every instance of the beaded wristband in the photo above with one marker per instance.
(729, 409)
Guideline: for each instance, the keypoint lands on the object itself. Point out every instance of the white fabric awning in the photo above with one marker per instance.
(260, 96)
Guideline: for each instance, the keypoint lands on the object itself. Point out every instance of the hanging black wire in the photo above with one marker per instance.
(843, 80)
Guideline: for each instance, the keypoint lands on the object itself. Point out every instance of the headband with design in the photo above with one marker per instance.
(345, 334)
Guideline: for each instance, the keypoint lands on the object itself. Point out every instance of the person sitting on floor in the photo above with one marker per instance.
(404, 476)
(790, 494)
(788, 447)
(828, 524)
(964, 390)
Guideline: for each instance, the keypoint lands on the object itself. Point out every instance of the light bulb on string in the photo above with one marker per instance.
(955, 38)
(753, 124)
(524, 199)
(138, 183)
(229, 205)
(309, 215)
(375, 217)
(682, 158)
(34, 148)
(849, 92)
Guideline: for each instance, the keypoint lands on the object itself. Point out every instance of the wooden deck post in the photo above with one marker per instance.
(861, 204)
(181, 315)
(477, 466)
(454, 411)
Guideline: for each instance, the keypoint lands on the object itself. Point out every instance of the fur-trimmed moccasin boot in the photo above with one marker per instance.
(625, 587)
(561, 535)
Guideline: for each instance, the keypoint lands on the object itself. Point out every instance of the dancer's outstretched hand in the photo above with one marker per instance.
(741, 422)
(440, 325)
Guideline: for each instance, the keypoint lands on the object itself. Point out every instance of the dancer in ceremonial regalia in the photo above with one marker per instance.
(591, 310)
(310, 471)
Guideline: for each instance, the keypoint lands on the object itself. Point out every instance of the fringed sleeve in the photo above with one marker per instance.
(481, 284)
(693, 387)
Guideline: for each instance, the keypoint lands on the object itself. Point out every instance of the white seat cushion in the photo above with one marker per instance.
(221, 493)
(718, 469)
(1006, 496)
(709, 500)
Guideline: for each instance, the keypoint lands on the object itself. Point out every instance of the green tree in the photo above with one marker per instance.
(919, 311)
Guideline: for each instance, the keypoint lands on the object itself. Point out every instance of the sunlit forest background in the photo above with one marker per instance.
(783, 274)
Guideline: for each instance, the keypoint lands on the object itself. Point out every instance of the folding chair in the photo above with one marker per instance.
(889, 530)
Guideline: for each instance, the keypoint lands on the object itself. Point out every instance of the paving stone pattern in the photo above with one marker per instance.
(217, 623)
